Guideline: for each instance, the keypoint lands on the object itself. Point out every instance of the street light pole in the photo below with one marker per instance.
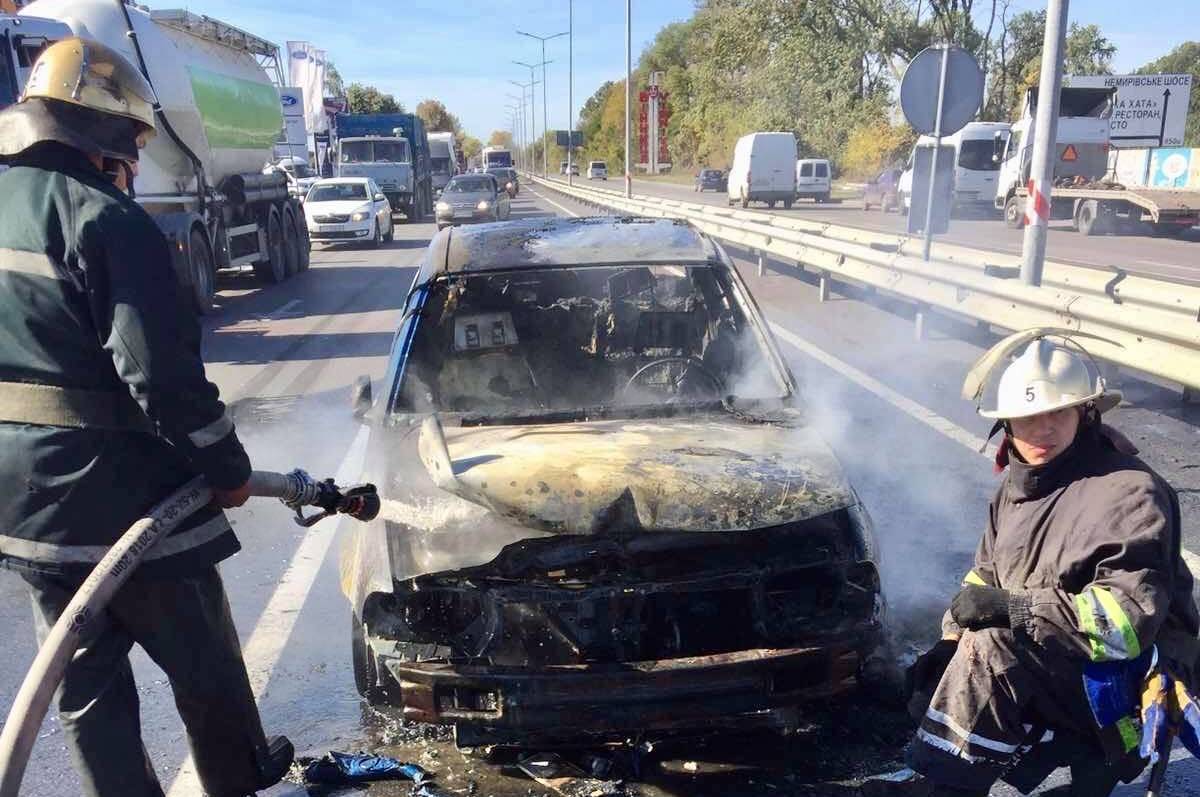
(532, 109)
(529, 133)
(1045, 133)
(545, 81)
(521, 143)
(570, 85)
(628, 93)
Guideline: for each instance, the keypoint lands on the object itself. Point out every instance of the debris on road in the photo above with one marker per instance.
(555, 772)
(337, 769)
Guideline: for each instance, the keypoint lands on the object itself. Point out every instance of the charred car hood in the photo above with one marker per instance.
(660, 474)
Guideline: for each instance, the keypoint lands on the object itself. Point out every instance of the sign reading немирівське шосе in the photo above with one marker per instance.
(1148, 110)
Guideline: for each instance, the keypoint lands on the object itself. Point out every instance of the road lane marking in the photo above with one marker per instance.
(262, 651)
(548, 201)
(914, 410)
(279, 311)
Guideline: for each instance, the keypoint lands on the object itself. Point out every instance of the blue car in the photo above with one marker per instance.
(711, 180)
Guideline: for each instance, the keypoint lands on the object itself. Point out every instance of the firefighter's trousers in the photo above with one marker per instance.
(185, 626)
(996, 693)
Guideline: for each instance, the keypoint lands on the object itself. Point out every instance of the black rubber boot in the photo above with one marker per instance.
(275, 761)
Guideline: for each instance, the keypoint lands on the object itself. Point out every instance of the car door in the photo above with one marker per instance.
(503, 205)
(383, 216)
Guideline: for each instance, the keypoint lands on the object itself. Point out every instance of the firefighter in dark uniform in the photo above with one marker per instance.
(104, 411)
(1079, 571)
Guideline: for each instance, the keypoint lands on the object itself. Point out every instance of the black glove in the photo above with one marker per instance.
(923, 676)
(977, 607)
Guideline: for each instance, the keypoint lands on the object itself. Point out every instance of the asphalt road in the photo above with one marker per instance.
(1176, 259)
(286, 357)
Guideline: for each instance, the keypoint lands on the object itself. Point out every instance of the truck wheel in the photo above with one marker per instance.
(305, 241)
(1092, 217)
(291, 243)
(203, 275)
(1014, 216)
(745, 200)
(787, 204)
(273, 269)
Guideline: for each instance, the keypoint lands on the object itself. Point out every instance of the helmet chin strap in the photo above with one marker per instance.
(111, 167)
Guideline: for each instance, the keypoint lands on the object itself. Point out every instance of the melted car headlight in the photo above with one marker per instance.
(483, 205)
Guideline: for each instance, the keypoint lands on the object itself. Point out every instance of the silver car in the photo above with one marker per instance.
(470, 198)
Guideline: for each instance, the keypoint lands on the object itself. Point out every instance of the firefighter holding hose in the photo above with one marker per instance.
(105, 409)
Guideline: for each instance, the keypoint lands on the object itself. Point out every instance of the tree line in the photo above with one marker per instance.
(829, 71)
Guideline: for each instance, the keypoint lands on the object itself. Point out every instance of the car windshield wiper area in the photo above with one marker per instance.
(596, 413)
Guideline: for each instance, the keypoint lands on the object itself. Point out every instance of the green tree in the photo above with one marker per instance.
(368, 99)
(471, 146)
(501, 138)
(334, 85)
(437, 119)
(1183, 60)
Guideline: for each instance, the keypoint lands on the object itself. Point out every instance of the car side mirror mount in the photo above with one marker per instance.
(360, 397)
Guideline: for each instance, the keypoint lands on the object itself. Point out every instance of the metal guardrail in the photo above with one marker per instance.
(1154, 324)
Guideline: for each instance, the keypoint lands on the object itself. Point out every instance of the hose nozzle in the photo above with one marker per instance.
(299, 490)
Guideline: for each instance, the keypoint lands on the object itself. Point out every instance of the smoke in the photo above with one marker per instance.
(927, 495)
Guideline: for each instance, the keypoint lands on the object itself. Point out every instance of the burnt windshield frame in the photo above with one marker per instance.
(732, 291)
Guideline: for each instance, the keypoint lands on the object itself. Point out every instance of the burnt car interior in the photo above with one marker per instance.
(564, 338)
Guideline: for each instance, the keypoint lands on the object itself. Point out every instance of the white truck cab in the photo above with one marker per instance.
(1081, 144)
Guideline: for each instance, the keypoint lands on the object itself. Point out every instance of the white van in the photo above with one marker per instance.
(597, 170)
(975, 170)
(813, 179)
(764, 169)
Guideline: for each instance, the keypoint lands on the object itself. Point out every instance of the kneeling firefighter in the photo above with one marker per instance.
(104, 411)
(1078, 587)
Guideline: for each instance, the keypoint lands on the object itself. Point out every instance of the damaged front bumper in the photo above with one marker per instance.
(743, 689)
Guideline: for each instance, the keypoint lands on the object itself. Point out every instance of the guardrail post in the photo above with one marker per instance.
(823, 287)
(919, 322)
(762, 263)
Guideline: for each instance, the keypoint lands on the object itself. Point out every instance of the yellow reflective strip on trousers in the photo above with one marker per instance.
(1119, 620)
(1129, 733)
(1087, 619)
(973, 578)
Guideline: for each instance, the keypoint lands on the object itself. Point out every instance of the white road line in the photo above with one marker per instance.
(906, 405)
(274, 627)
(548, 201)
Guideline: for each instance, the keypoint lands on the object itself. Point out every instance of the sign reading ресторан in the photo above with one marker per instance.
(1148, 110)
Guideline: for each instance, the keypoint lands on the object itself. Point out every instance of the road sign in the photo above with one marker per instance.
(560, 138)
(1148, 110)
(1070, 154)
(960, 100)
(943, 191)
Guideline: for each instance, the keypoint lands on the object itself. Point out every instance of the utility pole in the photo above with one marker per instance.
(529, 130)
(628, 93)
(545, 115)
(1045, 134)
(532, 106)
(570, 86)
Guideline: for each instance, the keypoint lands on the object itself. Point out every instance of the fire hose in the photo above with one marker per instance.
(296, 489)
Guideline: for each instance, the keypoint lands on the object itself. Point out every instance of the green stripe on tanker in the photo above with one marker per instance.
(237, 113)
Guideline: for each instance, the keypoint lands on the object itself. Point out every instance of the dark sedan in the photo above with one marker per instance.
(605, 513)
(711, 180)
(470, 198)
(882, 191)
(506, 178)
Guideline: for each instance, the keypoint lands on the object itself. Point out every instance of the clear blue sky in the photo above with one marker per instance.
(460, 51)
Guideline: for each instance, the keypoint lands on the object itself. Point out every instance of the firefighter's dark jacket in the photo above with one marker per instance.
(89, 300)
(1089, 544)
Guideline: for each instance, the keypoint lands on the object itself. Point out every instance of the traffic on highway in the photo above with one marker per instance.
(851, 448)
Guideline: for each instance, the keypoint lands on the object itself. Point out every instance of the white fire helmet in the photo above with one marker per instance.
(1050, 374)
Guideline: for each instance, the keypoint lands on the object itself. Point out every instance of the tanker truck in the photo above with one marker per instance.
(201, 177)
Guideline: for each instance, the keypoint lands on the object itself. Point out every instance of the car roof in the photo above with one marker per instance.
(340, 181)
(553, 241)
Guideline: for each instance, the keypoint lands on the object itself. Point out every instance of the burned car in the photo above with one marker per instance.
(604, 512)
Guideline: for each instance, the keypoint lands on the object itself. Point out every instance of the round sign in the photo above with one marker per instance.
(919, 90)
